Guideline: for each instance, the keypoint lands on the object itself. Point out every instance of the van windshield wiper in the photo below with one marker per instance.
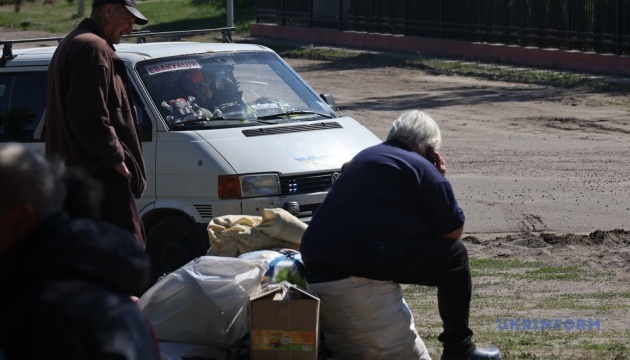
(294, 112)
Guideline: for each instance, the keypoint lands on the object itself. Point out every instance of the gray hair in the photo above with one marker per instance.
(27, 177)
(417, 130)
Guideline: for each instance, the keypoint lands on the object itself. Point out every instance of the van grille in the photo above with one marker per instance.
(308, 183)
(307, 210)
(291, 129)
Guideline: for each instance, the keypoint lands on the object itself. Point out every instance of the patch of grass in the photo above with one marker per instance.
(545, 299)
(565, 273)
(562, 273)
(502, 264)
(163, 15)
(573, 302)
(56, 18)
(606, 346)
(530, 270)
(600, 295)
(168, 15)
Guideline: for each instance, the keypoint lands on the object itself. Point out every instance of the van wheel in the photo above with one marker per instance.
(171, 244)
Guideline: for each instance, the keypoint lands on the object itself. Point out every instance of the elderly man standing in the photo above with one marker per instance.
(392, 216)
(90, 119)
(66, 281)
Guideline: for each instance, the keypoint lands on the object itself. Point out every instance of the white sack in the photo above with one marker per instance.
(367, 319)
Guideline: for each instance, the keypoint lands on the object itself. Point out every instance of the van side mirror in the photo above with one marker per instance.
(330, 100)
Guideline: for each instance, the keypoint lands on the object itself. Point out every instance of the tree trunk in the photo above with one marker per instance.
(81, 8)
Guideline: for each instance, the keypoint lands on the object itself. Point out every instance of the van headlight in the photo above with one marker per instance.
(247, 186)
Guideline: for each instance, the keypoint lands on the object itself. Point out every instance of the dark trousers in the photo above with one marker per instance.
(118, 206)
(444, 264)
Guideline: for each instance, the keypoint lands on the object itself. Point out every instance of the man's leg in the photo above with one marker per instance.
(444, 263)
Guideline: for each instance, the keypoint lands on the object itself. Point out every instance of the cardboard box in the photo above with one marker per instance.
(284, 323)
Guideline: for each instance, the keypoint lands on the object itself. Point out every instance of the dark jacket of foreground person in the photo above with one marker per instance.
(65, 294)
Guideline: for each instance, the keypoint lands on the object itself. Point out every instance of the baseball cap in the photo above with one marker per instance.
(131, 6)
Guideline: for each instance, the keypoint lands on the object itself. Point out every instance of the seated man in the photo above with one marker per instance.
(66, 281)
(392, 216)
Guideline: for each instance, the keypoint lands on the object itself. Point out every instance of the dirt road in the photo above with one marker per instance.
(519, 156)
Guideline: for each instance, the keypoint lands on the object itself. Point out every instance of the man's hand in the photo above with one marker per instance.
(438, 161)
(122, 169)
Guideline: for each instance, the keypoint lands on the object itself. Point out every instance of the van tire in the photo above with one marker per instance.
(171, 244)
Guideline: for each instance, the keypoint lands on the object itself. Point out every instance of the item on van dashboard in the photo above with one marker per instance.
(265, 106)
(183, 110)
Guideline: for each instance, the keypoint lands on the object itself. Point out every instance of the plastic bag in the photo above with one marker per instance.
(204, 302)
(284, 265)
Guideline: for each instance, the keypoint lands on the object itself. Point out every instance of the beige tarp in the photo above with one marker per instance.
(233, 235)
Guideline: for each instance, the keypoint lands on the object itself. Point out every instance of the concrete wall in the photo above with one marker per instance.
(496, 53)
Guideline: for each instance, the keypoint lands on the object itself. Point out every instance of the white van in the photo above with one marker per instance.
(227, 129)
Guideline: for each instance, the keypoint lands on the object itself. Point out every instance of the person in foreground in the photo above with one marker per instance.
(392, 216)
(66, 281)
(90, 121)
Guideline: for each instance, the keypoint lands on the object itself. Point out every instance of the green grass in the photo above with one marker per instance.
(502, 264)
(58, 18)
(163, 15)
(532, 290)
(530, 270)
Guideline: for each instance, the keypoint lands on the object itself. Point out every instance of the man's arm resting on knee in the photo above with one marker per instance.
(454, 235)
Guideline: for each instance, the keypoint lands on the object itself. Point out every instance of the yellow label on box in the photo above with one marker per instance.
(283, 340)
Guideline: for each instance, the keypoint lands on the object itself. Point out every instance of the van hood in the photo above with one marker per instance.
(291, 148)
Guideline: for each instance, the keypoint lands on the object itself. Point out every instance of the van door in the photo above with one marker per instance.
(146, 130)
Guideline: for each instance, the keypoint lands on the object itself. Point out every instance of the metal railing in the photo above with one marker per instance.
(601, 26)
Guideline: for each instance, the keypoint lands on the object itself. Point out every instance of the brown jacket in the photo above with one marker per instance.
(90, 120)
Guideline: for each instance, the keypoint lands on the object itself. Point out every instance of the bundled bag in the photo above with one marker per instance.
(234, 235)
(204, 302)
(367, 319)
(284, 265)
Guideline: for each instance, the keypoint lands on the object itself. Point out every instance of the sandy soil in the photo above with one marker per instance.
(520, 157)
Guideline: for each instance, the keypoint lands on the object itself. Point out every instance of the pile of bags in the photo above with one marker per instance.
(201, 309)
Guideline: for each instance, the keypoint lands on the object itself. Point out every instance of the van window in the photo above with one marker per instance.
(22, 104)
(222, 90)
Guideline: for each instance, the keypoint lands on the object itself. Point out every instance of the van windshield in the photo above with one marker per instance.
(229, 90)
